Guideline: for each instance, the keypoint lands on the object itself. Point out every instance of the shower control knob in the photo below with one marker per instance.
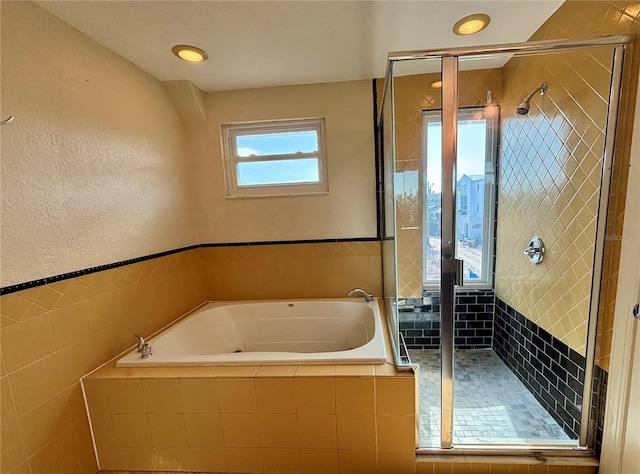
(535, 250)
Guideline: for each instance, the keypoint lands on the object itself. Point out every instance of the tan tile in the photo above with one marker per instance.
(208, 459)
(396, 462)
(167, 429)
(277, 371)
(275, 395)
(317, 431)
(96, 394)
(44, 296)
(172, 459)
(237, 395)
(57, 457)
(318, 461)
(278, 431)
(396, 432)
(132, 430)
(315, 370)
(88, 463)
(315, 395)
(35, 383)
(241, 431)
(246, 460)
(8, 409)
(103, 432)
(26, 342)
(356, 432)
(113, 458)
(357, 461)
(354, 395)
(104, 310)
(162, 395)
(499, 468)
(82, 437)
(204, 431)
(18, 308)
(442, 468)
(199, 395)
(395, 396)
(12, 449)
(354, 370)
(141, 459)
(70, 324)
(126, 396)
(239, 371)
(424, 467)
(482, 468)
(462, 468)
(281, 461)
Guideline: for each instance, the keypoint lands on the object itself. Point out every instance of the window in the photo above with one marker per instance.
(275, 158)
(475, 188)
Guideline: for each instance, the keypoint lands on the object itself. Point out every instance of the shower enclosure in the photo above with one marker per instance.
(495, 166)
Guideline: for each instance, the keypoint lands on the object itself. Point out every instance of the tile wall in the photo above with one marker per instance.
(549, 183)
(252, 419)
(55, 333)
(577, 19)
(420, 320)
(551, 370)
(300, 270)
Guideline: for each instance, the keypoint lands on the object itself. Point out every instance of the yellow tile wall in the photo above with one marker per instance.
(53, 334)
(575, 19)
(292, 270)
(413, 94)
(550, 172)
(255, 419)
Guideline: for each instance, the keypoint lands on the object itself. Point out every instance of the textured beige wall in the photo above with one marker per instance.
(93, 167)
(349, 210)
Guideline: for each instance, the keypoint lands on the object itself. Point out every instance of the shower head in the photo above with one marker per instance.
(523, 108)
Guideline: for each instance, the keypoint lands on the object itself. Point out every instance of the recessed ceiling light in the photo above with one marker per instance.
(189, 53)
(436, 85)
(471, 24)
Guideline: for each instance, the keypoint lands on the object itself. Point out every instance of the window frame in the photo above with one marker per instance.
(229, 133)
(492, 117)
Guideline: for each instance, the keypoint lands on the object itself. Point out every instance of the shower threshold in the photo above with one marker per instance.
(491, 406)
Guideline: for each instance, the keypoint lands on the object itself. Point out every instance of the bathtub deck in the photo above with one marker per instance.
(490, 404)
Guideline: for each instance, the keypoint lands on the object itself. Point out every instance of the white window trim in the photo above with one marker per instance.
(492, 117)
(230, 158)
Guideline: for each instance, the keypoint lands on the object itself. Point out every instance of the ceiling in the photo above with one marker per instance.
(272, 43)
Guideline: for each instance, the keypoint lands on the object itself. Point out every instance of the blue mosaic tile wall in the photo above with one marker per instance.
(419, 320)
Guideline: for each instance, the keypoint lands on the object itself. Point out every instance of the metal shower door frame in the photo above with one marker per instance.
(449, 268)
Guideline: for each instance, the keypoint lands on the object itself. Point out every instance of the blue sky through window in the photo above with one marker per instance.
(472, 140)
(280, 143)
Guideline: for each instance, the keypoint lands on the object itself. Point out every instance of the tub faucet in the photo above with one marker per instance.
(367, 296)
(143, 347)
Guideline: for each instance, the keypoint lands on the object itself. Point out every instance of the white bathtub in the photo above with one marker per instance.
(315, 331)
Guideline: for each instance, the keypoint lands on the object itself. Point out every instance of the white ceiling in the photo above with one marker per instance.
(270, 43)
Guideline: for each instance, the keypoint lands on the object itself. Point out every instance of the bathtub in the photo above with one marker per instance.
(314, 331)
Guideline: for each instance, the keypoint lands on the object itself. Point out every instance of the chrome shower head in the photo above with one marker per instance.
(523, 108)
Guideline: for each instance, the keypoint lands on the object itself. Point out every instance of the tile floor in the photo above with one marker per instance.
(490, 404)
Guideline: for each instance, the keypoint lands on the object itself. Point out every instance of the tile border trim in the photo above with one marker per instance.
(87, 271)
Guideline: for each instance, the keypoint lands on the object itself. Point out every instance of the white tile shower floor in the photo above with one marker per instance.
(490, 404)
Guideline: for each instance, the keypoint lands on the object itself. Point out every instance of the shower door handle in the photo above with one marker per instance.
(459, 269)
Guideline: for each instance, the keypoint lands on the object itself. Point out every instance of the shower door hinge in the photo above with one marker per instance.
(459, 269)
